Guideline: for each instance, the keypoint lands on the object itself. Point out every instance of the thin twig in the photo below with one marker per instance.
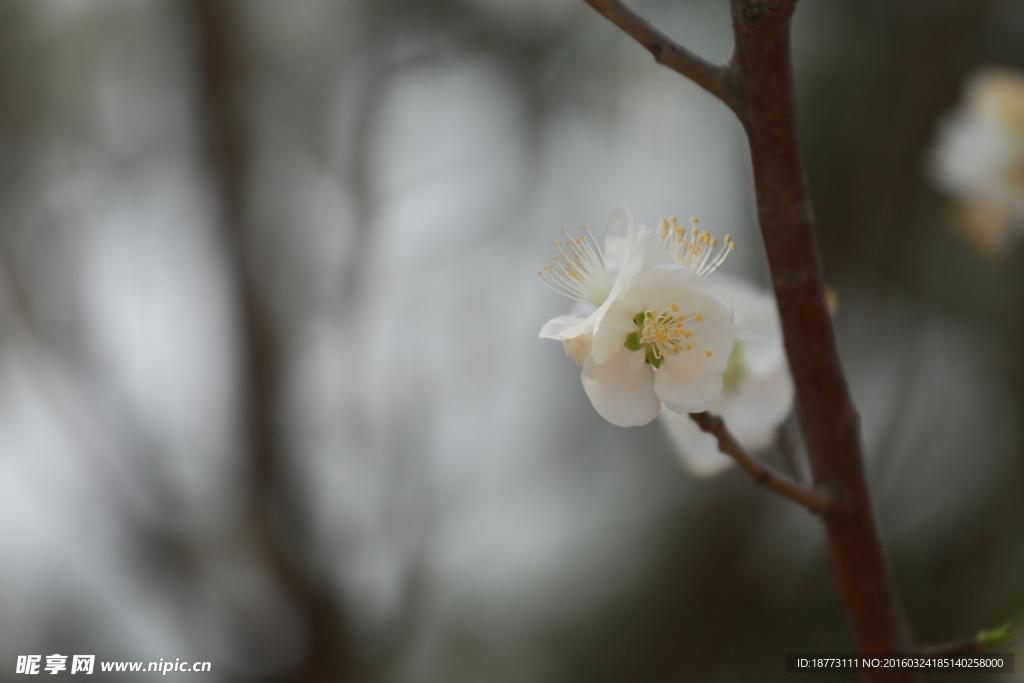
(666, 51)
(765, 476)
(787, 451)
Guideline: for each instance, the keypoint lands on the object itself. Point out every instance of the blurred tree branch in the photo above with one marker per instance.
(757, 85)
(278, 512)
(761, 473)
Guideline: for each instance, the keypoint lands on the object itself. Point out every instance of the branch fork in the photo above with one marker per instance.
(757, 85)
(815, 501)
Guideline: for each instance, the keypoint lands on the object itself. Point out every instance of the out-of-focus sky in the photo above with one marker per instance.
(271, 392)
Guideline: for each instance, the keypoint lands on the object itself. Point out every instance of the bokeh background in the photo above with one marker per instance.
(271, 393)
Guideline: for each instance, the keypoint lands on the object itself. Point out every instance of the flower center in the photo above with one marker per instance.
(661, 333)
(694, 249)
(579, 271)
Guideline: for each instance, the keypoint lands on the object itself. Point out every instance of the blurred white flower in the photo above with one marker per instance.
(757, 393)
(979, 159)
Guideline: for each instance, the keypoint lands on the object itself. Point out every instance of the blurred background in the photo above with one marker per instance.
(271, 393)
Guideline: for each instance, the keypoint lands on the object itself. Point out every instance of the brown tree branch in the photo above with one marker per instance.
(277, 514)
(761, 473)
(666, 51)
(788, 451)
(760, 91)
(827, 416)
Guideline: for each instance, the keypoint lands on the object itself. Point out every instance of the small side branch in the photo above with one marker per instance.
(761, 473)
(666, 51)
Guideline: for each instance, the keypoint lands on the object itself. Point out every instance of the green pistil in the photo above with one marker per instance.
(633, 342)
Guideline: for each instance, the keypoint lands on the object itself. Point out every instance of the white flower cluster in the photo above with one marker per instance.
(654, 338)
(979, 159)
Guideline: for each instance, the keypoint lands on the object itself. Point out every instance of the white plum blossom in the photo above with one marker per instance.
(979, 159)
(656, 334)
(757, 393)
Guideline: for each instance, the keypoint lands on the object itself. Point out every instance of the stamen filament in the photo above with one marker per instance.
(695, 250)
(579, 271)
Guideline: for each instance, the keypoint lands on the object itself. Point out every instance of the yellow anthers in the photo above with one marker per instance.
(698, 317)
(709, 353)
(659, 333)
(696, 250)
(662, 333)
(579, 272)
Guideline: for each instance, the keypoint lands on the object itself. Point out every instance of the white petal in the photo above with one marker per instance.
(622, 389)
(686, 385)
(578, 348)
(755, 310)
(633, 266)
(611, 329)
(657, 287)
(759, 406)
(567, 327)
(697, 450)
(726, 305)
(746, 335)
(653, 249)
(619, 237)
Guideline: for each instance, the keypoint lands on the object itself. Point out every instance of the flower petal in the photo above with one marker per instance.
(622, 389)
(756, 311)
(619, 237)
(759, 406)
(697, 450)
(578, 348)
(567, 327)
(686, 385)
